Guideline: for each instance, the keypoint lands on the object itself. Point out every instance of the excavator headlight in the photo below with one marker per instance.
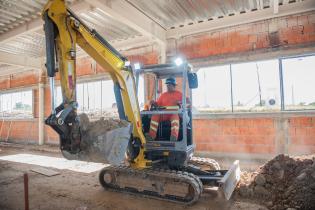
(127, 63)
(178, 61)
(137, 66)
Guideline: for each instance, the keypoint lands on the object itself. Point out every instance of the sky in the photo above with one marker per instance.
(215, 83)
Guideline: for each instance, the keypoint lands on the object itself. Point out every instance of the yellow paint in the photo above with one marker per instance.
(70, 35)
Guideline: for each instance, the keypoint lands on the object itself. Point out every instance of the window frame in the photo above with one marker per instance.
(282, 90)
(25, 117)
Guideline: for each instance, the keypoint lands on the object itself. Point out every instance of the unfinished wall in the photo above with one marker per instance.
(260, 135)
(283, 32)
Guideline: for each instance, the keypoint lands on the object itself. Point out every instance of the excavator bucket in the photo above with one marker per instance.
(101, 144)
(230, 179)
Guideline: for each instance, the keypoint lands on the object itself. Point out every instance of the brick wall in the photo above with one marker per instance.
(302, 135)
(272, 33)
(259, 135)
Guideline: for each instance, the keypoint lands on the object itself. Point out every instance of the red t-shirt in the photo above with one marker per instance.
(169, 98)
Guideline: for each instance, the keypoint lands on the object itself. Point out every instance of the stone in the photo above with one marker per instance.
(301, 176)
(269, 204)
(276, 165)
(281, 174)
(260, 180)
(260, 190)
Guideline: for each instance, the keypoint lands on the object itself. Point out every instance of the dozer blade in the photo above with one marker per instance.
(108, 147)
(229, 181)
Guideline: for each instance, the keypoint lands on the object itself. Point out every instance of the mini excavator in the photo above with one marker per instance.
(160, 169)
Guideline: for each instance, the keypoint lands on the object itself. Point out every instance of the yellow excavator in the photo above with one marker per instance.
(160, 168)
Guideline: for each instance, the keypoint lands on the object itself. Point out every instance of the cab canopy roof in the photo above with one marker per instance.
(166, 70)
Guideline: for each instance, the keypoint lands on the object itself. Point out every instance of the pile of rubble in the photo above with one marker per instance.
(102, 140)
(282, 183)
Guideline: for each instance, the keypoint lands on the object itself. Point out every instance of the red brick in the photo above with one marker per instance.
(235, 148)
(311, 18)
(257, 139)
(252, 38)
(292, 21)
(301, 149)
(302, 20)
(301, 122)
(300, 132)
(303, 140)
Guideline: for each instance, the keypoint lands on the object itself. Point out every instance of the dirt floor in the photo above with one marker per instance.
(82, 191)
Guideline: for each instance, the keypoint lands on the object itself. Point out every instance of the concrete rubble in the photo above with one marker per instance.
(284, 182)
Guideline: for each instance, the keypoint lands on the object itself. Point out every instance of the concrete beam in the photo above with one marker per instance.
(127, 14)
(18, 60)
(10, 71)
(123, 45)
(257, 55)
(275, 6)
(249, 17)
(130, 43)
(37, 24)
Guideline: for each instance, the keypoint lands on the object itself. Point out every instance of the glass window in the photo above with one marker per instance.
(108, 95)
(298, 82)
(98, 97)
(141, 92)
(17, 104)
(256, 86)
(214, 89)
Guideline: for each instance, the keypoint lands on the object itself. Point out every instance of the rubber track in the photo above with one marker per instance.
(205, 162)
(183, 177)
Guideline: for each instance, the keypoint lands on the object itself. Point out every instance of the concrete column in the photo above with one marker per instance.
(162, 57)
(162, 60)
(282, 135)
(41, 104)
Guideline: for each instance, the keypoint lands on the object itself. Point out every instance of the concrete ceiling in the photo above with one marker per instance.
(128, 23)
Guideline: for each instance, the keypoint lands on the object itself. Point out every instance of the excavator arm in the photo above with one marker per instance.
(63, 31)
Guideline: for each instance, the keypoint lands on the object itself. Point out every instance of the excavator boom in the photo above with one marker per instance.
(63, 31)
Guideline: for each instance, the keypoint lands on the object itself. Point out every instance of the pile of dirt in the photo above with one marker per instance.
(103, 140)
(100, 126)
(282, 183)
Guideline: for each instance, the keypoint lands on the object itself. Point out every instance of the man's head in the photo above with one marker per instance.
(171, 84)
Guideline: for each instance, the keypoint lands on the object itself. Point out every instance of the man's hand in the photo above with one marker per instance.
(153, 103)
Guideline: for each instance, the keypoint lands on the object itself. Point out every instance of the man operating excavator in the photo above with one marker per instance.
(171, 100)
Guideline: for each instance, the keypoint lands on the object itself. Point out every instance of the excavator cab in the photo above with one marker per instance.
(176, 153)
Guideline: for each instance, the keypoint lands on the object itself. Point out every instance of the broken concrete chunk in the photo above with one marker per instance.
(260, 179)
(261, 190)
(301, 176)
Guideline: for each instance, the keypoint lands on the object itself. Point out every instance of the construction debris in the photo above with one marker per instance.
(282, 183)
(102, 141)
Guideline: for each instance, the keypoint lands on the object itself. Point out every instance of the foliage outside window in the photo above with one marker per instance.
(16, 104)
